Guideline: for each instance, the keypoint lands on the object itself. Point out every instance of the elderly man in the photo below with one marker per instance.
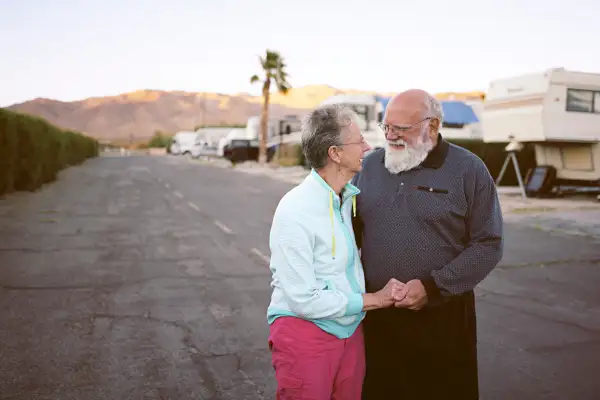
(428, 215)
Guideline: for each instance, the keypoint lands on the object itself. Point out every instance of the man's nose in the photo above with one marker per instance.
(390, 135)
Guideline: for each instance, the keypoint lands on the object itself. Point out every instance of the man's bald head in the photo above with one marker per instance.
(413, 100)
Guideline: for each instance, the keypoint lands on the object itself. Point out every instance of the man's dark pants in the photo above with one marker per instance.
(426, 354)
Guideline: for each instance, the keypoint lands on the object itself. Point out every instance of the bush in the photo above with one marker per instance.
(159, 140)
(33, 151)
(289, 154)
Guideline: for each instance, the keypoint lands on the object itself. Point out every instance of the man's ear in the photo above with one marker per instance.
(435, 127)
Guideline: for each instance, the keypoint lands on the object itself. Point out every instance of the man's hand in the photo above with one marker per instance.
(415, 299)
(393, 291)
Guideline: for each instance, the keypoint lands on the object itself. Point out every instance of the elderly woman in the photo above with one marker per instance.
(319, 299)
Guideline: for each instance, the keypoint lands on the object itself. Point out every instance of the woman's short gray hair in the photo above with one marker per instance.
(321, 129)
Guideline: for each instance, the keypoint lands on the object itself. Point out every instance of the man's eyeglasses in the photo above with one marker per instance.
(400, 129)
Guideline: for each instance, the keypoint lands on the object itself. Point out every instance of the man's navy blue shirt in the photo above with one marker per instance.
(440, 222)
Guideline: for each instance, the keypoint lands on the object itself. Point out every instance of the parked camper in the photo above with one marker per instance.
(248, 138)
(558, 111)
(186, 143)
(210, 139)
(370, 110)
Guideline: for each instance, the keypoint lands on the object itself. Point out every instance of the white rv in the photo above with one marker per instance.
(185, 143)
(278, 130)
(558, 111)
(462, 120)
(370, 109)
(210, 139)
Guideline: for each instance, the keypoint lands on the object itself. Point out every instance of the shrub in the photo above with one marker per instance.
(33, 151)
(289, 154)
(159, 140)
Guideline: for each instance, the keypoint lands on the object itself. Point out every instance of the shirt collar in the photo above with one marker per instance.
(348, 190)
(436, 157)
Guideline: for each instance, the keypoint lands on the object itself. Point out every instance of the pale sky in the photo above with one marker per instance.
(75, 49)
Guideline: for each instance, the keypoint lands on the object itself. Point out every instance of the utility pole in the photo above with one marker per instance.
(203, 123)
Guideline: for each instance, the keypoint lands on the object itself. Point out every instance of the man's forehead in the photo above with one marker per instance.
(403, 115)
(407, 105)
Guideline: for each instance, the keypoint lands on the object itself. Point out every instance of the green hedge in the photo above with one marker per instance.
(33, 151)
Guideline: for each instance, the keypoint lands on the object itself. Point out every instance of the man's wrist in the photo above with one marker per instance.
(434, 294)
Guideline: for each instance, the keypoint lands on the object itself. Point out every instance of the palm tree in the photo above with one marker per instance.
(274, 70)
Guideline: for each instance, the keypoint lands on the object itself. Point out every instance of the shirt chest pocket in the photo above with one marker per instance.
(430, 204)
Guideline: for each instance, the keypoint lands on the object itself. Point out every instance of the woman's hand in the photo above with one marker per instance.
(391, 293)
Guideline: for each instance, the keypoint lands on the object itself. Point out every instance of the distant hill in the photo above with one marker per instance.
(139, 114)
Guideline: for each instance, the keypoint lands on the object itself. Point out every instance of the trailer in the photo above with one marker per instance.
(278, 129)
(558, 112)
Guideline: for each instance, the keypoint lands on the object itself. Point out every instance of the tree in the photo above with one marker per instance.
(274, 70)
(159, 140)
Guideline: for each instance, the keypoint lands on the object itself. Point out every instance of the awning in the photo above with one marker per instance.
(457, 112)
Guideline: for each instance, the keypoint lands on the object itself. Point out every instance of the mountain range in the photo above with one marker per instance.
(136, 116)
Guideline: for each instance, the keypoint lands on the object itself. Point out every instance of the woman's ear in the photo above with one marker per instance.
(333, 153)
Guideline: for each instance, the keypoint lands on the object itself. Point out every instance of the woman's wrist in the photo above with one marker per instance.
(371, 301)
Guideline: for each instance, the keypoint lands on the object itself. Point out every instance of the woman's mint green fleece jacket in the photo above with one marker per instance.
(317, 273)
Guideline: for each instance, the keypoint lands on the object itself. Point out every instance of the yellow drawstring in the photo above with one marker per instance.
(332, 226)
(354, 205)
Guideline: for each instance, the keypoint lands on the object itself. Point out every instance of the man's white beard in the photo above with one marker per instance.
(398, 160)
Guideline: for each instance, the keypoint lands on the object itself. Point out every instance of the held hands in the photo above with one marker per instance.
(391, 293)
(411, 295)
(415, 297)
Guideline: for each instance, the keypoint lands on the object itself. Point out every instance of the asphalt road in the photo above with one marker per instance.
(146, 278)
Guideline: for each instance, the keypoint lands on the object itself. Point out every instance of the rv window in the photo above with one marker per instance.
(580, 100)
(239, 143)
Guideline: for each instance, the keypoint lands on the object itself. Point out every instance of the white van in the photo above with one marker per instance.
(186, 143)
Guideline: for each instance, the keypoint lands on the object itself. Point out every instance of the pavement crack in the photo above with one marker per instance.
(116, 285)
(548, 263)
(562, 347)
(184, 327)
(568, 324)
(87, 286)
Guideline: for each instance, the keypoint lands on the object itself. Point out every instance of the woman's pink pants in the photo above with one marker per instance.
(312, 364)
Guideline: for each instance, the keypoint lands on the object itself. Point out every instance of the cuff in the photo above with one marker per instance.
(434, 296)
(355, 304)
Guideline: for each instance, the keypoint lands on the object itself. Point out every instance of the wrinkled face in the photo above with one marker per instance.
(351, 152)
(409, 132)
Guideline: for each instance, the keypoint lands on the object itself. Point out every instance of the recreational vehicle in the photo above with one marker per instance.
(370, 109)
(558, 111)
(186, 143)
(249, 137)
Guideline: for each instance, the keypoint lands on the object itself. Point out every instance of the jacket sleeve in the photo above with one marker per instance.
(485, 240)
(292, 263)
